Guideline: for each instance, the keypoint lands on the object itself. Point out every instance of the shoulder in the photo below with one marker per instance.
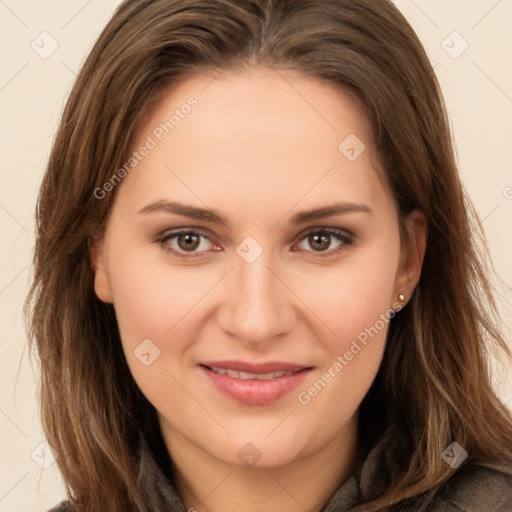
(479, 488)
(61, 507)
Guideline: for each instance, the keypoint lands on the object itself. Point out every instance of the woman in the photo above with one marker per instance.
(256, 286)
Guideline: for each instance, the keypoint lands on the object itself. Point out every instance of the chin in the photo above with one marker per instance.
(263, 451)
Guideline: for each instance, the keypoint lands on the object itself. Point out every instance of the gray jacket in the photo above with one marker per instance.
(472, 488)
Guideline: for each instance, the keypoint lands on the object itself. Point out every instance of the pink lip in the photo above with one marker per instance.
(255, 391)
(268, 367)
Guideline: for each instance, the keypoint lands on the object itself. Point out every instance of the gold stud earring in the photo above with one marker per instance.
(401, 297)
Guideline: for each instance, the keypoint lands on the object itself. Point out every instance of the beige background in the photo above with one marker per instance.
(478, 89)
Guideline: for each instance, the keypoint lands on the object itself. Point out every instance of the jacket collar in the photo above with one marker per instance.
(368, 481)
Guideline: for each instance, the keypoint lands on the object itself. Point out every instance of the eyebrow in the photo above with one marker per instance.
(209, 215)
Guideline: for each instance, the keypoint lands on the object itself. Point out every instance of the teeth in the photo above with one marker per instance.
(266, 376)
(247, 376)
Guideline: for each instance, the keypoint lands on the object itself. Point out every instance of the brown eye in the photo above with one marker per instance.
(326, 241)
(319, 242)
(188, 241)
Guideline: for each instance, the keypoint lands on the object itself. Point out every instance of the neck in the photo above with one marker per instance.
(206, 484)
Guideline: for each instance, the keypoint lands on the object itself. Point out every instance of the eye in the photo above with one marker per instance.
(189, 243)
(186, 243)
(326, 240)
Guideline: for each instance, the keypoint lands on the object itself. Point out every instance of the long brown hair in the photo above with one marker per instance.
(435, 374)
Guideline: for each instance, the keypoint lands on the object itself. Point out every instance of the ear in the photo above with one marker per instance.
(98, 262)
(412, 254)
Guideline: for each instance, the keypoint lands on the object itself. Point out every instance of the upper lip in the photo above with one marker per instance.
(268, 367)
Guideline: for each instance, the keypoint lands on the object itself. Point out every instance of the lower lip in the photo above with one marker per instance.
(253, 391)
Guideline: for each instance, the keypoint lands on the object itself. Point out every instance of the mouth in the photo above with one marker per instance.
(249, 376)
(254, 384)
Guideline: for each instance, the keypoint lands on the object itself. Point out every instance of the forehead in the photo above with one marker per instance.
(258, 132)
(254, 101)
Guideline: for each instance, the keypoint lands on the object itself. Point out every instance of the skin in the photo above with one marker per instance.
(258, 151)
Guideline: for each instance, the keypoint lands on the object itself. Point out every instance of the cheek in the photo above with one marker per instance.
(353, 297)
(352, 360)
(354, 305)
(149, 296)
(154, 303)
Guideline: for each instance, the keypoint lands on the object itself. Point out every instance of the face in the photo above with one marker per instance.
(253, 259)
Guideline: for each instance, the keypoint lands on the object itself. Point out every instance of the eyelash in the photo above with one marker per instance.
(346, 238)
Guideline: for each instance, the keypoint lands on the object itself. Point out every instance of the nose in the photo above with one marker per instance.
(257, 307)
